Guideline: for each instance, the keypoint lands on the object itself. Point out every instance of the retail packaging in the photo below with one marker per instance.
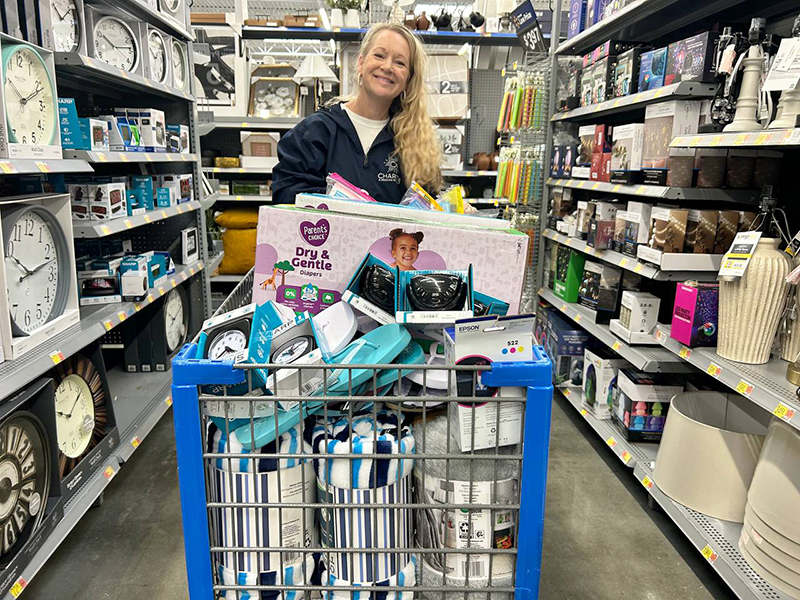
(600, 367)
(679, 261)
(260, 144)
(555, 161)
(569, 273)
(568, 157)
(695, 314)
(767, 168)
(692, 59)
(601, 155)
(145, 183)
(587, 86)
(562, 203)
(740, 169)
(122, 136)
(189, 245)
(566, 343)
(58, 206)
(79, 195)
(451, 142)
(626, 73)
(599, 290)
(638, 221)
(152, 128)
(639, 311)
(406, 312)
(728, 225)
(627, 147)
(642, 403)
(601, 234)
(354, 295)
(602, 79)
(182, 131)
(108, 201)
(310, 256)
(701, 231)
(746, 219)
(586, 148)
(652, 68)
(577, 18)
(95, 289)
(633, 338)
(482, 341)
(662, 122)
(711, 173)
(669, 229)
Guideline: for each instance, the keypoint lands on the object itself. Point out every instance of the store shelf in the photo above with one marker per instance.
(227, 278)
(86, 69)
(631, 264)
(455, 174)
(237, 171)
(95, 321)
(716, 540)
(210, 200)
(675, 91)
(19, 166)
(354, 35)
(645, 358)
(658, 191)
(98, 229)
(252, 123)
(135, 157)
(214, 262)
(762, 138)
(245, 198)
(141, 11)
(765, 385)
(628, 452)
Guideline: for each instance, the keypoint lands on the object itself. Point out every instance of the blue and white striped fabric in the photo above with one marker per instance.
(290, 442)
(365, 435)
(293, 574)
(407, 577)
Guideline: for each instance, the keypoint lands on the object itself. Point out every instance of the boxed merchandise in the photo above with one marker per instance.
(602, 79)
(599, 290)
(577, 18)
(94, 290)
(556, 164)
(652, 68)
(147, 187)
(662, 122)
(638, 220)
(600, 367)
(746, 219)
(473, 342)
(433, 296)
(642, 403)
(692, 59)
(568, 156)
(585, 215)
(305, 257)
(152, 127)
(451, 142)
(740, 168)
(573, 99)
(767, 168)
(587, 86)
(627, 147)
(182, 131)
(669, 229)
(79, 195)
(639, 311)
(694, 317)
(108, 201)
(260, 144)
(601, 234)
(569, 273)
(626, 73)
(701, 231)
(189, 245)
(711, 172)
(586, 148)
(566, 346)
(727, 228)
(123, 136)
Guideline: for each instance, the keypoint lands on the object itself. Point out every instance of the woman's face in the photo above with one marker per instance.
(405, 252)
(386, 67)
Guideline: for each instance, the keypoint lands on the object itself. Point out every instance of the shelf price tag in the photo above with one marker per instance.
(784, 412)
(18, 586)
(714, 370)
(174, 283)
(716, 140)
(567, 393)
(638, 268)
(744, 388)
(616, 188)
(740, 139)
(147, 219)
(641, 190)
(709, 554)
(563, 307)
(684, 353)
(616, 346)
(626, 457)
(584, 412)
(122, 316)
(109, 473)
(7, 167)
(101, 157)
(168, 400)
(611, 442)
(161, 291)
(164, 214)
(136, 441)
(659, 335)
(43, 167)
(57, 357)
(647, 482)
(123, 157)
(105, 230)
(108, 325)
(128, 224)
(623, 263)
(578, 318)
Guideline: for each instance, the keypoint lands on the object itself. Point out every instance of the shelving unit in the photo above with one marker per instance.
(97, 229)
(245, 198)
(123, 157)
(644, 358)
(247, 123)
(352, 35)
(629, 263)
(782, 138)
(236, 171)
(454, 174)
(17, 166)
(227, 278)
(658, 191)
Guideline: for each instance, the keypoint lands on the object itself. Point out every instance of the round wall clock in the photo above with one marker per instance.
(180, 66)
(226, 339)
(177, 319)
(36, 265)
(30, 96)
(173, 7)
(115, 43)
(81, 414)
(157, 54)
(24, 481)
(66, 19)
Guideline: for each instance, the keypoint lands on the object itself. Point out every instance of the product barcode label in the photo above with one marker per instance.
(474, 569)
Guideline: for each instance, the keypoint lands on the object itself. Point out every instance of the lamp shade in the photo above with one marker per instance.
(314, 67)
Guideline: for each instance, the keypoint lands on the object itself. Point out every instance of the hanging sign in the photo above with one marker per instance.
(529, 33)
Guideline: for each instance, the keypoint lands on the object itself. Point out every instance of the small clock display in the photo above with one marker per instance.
(115, 43)
(180, 66)
(66, 25)
(158, 56)
(227, 344)
(29, 95)
(175, 316)
(172, 6)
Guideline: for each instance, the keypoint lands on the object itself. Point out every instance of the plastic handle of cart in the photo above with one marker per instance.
(186, 371)
(534, 373)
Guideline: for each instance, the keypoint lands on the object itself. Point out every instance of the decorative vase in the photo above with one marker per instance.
(410, 20)
(337, 18)
(747, 102)
(789, 107)
(351, 20)
(481, 160)
(422, 22)
(790, 324)
(493, 160)
(750, 307)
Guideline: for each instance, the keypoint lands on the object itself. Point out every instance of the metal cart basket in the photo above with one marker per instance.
(356, 494)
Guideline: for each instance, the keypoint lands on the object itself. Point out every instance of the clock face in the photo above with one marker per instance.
(227, 344)
(176, 327)
(115, 44)
(179, 65)
(74, 416)
(24, 477)
(30, 98)
(33, 259)
(158, 56)
(66, 25)
(291, 351)
(172, 5)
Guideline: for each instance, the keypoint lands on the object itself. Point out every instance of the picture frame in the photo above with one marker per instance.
(277, 97)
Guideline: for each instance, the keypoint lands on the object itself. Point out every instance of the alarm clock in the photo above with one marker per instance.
(158, 62)
(226, 339)
(180, 65)
(29, 98)
(114, 40)
(81, 411)
(37, 266)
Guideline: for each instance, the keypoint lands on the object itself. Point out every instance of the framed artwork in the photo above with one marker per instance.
(274, 97)
(216, 60)
(274, 70)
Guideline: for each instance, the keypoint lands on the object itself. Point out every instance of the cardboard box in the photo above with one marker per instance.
(600, 367)
(586, 147)
(260, 144)
(643, 403)
(152, 128)
(602, 79)
(599, 290)
(601, 234)
(701, 231)
(662, 122)
(577, 18)
(566, 343)
(569, 273)
(626, 73)
(451, 140)
(632, 338)
(695, 314)
(639, 311)
(587, 86)
(311, 256)
(108, 201)
(652, 68)
(669, 229)
(627, 151)
(692, 59)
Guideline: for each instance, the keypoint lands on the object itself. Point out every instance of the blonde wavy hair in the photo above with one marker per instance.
(414, 137)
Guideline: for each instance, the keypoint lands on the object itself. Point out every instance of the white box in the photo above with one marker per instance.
(605, 211)
(258, 162)
(451, 140)
(630, 337)
(627, 146)
(664, 121)
(153, 130)
(189, 245)
(580, 172)
(674, 261)
(260, 144)
(108, 201)
(16, 346)
(79, 201)
(10, 147)
(639, 312)
(599, 382)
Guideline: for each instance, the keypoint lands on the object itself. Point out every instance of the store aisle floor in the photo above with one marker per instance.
(602, 542)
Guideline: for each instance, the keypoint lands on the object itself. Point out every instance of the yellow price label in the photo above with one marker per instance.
(137, 307)
(242, 170)
(179, 208)
(616, 188)
(716, 140)
(596, 185)
(169, 157)
(684, 353)
(168, 400)
(584, 412)
(563, 308)
(784, 412)
(638, 268)
(581, 184)
(57, 357)
(105, 230)
(128, 224)
(578, 318)
(18, 586)
(190, 271)
(568, 241)
(567, 393)
(150, 298)
(740, 139)
(161, 291)
(109, 473)
(164, 214)
(647, 482)
(102, 157)
(642, 189)
(761, 139)
(122, 316)
(136, 441)
(744, 388)
(147, 219)
(623, 263)
(616, 346)
(148, 158)
(7, 167)
(714, 370)
(43, 167)
(503, 72)
(659, 335)
(695, 141)
(626, 457)
(108, 325)
(515, 65)
(123, 157)
(611, 442)
(174, 283)
(709, 554)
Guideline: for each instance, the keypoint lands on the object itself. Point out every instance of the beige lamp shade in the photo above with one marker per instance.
(765, 542)
(314, 67)
(775, 492)
(773, 572)
(709, 451)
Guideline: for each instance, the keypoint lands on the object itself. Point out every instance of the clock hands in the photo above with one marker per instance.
(69, 416)
(117, 48)
(37, 269)
(39, 89)
(23, 267)
(16, 91)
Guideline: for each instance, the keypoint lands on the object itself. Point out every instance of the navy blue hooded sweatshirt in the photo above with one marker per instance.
(327, 142)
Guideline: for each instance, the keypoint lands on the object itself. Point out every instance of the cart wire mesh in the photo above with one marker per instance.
(350, 493)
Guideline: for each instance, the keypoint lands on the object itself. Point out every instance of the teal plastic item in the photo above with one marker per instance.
(264, 430)
(379, 346)
(412, 354)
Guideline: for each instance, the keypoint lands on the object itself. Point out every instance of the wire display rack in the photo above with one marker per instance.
(358, 494)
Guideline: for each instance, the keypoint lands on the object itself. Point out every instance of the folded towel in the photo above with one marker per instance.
(407, 577)
(293, 574)
(368, 435)
(290, 442)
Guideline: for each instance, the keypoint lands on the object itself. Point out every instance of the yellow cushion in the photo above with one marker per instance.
(240, 251)
(238, 218)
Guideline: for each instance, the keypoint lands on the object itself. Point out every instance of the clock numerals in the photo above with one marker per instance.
(30, 97)
(115, 43)
(66, 25)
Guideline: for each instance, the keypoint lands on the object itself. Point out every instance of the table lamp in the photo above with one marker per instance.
(315, 68)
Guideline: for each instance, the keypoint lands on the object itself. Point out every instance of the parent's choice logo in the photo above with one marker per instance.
(315, 234)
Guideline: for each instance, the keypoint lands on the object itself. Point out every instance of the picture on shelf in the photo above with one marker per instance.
(274, 97)
(215, 54)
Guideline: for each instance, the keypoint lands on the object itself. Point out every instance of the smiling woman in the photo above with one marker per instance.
(381, 139)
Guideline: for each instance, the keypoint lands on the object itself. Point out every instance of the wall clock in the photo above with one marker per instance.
(65, 22)
(36, 266)
(174, 9)
(180, 66)
(115, 43)
(157, 55)
(176, 316)
(30, 98)
(226, 339)
(24, 480)
(81, 413)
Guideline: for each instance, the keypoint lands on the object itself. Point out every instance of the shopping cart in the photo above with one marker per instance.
(381, 537)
